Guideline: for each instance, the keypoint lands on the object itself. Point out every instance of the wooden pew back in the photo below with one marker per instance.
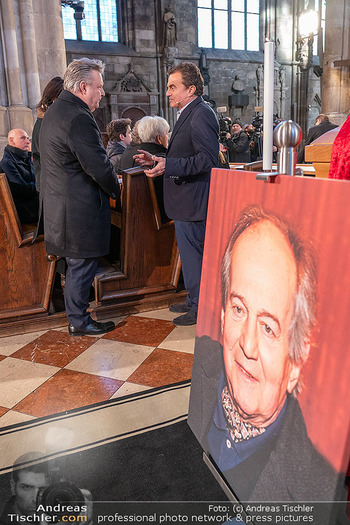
(26, 273)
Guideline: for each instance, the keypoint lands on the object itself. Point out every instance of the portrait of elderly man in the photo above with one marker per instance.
(244, 408)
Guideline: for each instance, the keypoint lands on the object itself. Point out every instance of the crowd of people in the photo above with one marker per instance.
(76, 174)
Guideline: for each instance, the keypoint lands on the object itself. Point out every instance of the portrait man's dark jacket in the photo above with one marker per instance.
(238, 147)
(77, 180)
(192, 152)
(19, 170)
(314, 133)
(286, 468)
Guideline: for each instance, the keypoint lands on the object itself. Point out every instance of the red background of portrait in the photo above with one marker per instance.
(320, 209)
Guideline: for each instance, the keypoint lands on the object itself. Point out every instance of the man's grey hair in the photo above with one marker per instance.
(80, 70)
(149, 127)
(304, 312)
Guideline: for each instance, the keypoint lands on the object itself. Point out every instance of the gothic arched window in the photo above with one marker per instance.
(100, 22)
(229, 24)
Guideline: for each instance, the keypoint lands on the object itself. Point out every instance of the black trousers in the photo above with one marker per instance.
(79, 278)
(190, 240)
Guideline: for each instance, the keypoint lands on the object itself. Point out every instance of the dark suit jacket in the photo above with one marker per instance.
(192, 152)
(314, 133)
(286, 468)
(76, 181)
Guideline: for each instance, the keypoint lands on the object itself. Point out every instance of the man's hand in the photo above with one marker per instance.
(146, 159)
(228, 135)
(159, 169)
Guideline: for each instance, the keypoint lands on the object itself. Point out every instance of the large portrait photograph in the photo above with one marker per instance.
(269, 396)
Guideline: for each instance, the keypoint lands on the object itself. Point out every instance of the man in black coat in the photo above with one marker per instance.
(18, 167)
(322, 125)
(192, 152)
(243, 406)
(238, 146)
(77, 181)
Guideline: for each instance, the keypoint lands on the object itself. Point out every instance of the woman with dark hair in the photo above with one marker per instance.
(50, 93)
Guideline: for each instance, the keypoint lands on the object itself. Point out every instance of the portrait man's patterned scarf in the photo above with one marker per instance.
(239, 429)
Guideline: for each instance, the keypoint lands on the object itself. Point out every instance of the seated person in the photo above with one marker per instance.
(18, 167)
(322, 125)
(119, 138)
(153, 133)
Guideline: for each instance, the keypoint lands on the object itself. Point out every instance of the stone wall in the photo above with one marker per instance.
(150, 59)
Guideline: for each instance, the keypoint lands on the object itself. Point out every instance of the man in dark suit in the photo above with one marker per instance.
(192, 152)
(322, 125)
(77, 181)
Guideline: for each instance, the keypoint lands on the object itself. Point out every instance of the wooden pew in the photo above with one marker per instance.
(26, 272)
(319, 152)
(150, 262)
(146, 277)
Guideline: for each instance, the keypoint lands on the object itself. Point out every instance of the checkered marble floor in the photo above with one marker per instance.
(49, 372)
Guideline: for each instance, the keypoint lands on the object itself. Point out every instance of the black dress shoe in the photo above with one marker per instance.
(187, 319)
(94, 328)
(179, 308)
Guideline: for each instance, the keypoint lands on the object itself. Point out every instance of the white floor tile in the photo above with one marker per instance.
(18, 378)
(180, 339)
(128, 388)
(9, 345)
(163, 314)
(12, 418)
(113, 359)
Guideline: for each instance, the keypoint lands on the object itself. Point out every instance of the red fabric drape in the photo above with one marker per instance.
(340, 158)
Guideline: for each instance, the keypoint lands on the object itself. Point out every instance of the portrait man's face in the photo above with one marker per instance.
(26, 489)
(255, 323)
(92, 93)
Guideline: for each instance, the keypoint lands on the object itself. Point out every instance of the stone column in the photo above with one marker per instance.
(11, 53)
(335, 80)
(50, 45)
(29, 52)
(18, 115)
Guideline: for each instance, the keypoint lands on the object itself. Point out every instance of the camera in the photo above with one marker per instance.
(225, 127)
(257, 123)
(62, 500)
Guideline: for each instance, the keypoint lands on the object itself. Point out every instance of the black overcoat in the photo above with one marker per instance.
(76, 181)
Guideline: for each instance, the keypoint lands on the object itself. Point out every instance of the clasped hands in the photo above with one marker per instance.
(143, 158)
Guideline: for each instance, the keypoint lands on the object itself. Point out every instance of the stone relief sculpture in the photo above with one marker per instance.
(131, 84)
